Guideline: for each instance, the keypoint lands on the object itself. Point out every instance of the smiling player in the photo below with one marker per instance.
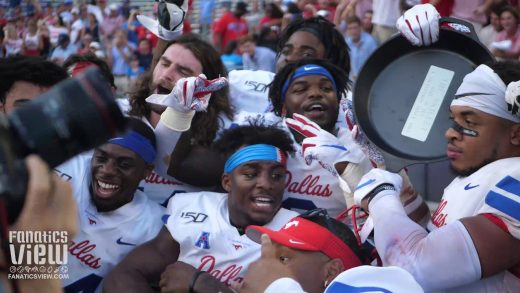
(114, 215)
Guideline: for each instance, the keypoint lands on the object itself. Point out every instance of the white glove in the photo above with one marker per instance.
(513, 97)
(420, 25)
(170, 18)
(190, 95)
(321, 145)
(373, 179)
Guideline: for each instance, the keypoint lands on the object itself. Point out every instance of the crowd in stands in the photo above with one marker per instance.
(245, 33)
(57, 30)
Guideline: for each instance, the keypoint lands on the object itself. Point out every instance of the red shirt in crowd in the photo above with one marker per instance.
(267, 20)
(229, 28)
(143, 33)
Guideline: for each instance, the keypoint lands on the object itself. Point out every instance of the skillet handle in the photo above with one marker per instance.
(458, 25)
(395, 164)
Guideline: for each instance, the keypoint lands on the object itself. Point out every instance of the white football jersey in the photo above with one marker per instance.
(199, 222)
(494, 189)
(248, 90)
(104, 238)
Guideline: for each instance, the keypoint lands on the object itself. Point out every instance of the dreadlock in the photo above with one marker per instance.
(336, 49)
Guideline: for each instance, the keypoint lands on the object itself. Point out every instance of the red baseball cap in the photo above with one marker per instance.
(303, 234)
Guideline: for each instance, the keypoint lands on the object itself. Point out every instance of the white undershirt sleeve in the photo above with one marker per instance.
(442, 259)
(166, 139)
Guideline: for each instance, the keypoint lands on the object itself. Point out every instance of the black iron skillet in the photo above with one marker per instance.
(389, 83)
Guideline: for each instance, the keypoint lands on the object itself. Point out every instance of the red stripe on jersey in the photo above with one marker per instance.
(497, 221)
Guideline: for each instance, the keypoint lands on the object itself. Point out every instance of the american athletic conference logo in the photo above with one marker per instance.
(38, 255)
(203, 240)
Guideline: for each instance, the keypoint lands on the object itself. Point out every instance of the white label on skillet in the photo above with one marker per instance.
(427, 104)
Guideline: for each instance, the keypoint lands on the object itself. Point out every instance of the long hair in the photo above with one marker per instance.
(336, 49)
(204, 125)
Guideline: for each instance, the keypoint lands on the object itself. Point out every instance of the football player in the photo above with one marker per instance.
(474, 241)
(309, 91)
(114, 216)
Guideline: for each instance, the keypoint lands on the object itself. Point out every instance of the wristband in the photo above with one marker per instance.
(194, 280)
(412, 206)
(177, 120)
(373, 193)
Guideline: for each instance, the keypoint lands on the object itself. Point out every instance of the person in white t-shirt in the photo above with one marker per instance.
(203, 245)
(474, 239)
(114, 216)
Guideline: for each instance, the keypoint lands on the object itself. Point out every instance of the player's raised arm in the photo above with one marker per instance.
(144, 265)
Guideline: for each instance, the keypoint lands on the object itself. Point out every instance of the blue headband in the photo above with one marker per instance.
(137, 143)
(255, 152)
(309, 69)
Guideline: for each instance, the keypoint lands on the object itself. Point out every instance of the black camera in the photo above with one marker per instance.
(76, 115)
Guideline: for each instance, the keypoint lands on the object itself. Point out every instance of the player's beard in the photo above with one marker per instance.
(470, 170)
